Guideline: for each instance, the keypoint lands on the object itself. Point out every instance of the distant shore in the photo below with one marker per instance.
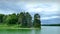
(50, 25)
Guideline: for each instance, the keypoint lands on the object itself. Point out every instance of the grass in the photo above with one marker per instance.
(5, 26)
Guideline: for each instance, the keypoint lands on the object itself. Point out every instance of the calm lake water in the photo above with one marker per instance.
(43, 30)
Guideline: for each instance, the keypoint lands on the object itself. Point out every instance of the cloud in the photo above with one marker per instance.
(10, 7)
(6, 11)
(28, 6)
(47, 8)
(51, 17)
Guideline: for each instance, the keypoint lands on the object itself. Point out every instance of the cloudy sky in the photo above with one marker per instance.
(49, 10)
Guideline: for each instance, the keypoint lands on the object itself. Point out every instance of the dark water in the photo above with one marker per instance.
(43, 30)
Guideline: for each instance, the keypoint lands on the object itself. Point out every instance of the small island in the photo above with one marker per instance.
(22, 20)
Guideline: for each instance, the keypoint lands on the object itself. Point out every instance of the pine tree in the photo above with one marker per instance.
(37, 22)
(29, 20)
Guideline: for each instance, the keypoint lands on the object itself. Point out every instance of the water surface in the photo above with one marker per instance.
(43, 30)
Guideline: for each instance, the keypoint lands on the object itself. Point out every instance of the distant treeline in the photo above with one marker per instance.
(24, 19)
(50, 24)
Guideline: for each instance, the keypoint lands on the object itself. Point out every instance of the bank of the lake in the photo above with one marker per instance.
(4, 26)
(43, 30)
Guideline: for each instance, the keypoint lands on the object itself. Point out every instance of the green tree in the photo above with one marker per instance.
(37, 22)
(11, 19)
(28, 19)
(1, 18)
(25, 19)
(4, 19)
(21, 19)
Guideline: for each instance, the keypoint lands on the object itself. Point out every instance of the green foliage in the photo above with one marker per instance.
(37, 22)
(11, 19)
(28, 19)
(23, 19)
(1, 18)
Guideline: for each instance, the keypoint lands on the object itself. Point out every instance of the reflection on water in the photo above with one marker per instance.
(20, 31)
(23, 31)
(36, 31)
(43, 30)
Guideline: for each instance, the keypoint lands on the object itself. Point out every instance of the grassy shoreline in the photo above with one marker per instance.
(4, 26)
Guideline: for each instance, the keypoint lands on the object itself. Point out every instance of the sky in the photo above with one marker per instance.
(49, 10)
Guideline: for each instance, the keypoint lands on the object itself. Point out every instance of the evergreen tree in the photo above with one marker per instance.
(22, 19)
(1, 18)
(37, 22)
(28, 19)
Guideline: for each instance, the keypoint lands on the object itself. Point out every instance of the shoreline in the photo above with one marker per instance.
(19, 28)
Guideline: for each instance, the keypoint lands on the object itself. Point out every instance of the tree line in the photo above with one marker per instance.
(24, 19)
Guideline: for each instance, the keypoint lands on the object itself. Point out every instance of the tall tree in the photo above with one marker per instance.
(28, 19)
(22, 19)
(37, 22)
(1, 18)
(11, 19)
(4, 19)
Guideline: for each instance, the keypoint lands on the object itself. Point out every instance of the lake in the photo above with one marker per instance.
(43, 30)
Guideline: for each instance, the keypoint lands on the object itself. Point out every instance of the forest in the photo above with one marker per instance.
(22, 19)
